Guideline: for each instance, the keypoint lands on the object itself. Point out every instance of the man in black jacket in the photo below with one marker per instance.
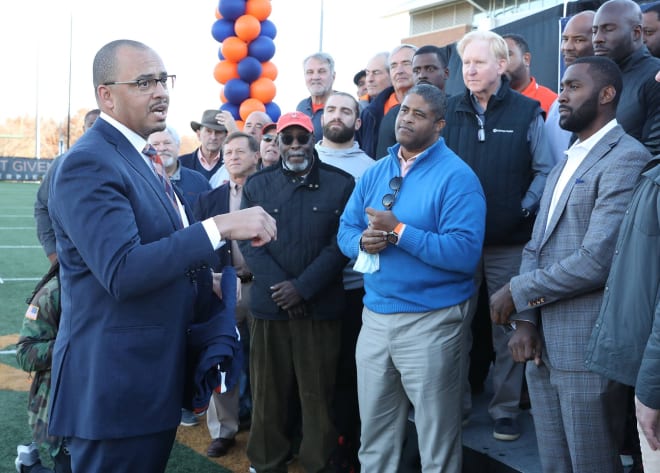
(297, 298)
(617, 34)
(386, 104)
(499, 133)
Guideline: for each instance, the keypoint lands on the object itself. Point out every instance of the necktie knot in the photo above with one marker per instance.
(150, 150)
(161, 173)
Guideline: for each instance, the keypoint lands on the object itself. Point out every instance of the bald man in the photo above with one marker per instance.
(575, 43)
(617, 34)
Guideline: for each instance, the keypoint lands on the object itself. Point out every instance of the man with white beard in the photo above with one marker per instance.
(190, 182)
(297, 299)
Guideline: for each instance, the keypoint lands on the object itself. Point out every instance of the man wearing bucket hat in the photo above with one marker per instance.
(206, 159)
(297, 298)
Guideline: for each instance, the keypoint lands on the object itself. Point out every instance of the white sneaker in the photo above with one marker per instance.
(26, 455)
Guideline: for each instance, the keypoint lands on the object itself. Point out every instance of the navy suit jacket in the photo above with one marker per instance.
(128, 292)
(208, 204)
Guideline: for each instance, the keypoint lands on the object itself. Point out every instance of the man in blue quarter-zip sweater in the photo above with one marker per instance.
(415, 223)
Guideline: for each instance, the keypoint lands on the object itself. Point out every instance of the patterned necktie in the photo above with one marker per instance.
(157, 165)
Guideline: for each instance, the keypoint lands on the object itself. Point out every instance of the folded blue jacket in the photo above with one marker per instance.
(214, 347)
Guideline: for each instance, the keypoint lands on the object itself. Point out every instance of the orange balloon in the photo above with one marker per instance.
(250, 105)
(223, 99)
(260, 9)
(218, 15)
(240, 124)
(263, 89)
(225, 71)
(234, 49)
(247, 27)
(269, 70)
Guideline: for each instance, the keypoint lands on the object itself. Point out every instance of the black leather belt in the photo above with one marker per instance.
(245, 278)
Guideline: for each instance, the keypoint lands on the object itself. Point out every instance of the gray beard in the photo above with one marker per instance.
(167, 162)
(296, 167)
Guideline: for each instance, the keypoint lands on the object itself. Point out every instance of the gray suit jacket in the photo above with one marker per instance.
(564, 268)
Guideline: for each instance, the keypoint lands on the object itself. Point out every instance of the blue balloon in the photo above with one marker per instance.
(268, 29)
(249, 69)
(237, 90)
(262, 48)
(222, 29)
(273, 111)
(220, 56)
(232, 108)
(231, 9)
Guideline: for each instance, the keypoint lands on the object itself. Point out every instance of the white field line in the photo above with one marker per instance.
(7, 352)
(18, 247)
(17, 228)
(2, 281)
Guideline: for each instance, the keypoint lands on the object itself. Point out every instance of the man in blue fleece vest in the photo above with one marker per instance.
(417, 218)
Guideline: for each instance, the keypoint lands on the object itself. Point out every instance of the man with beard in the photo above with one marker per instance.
(578, 414)
(416, 219)
(617, 34)
(133, 268)
(519, 74)
(625, 343)
(190, 183)
(341, 119)
(651, 28)
(297, 299)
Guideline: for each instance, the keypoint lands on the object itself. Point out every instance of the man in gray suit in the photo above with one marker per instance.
(577, 413)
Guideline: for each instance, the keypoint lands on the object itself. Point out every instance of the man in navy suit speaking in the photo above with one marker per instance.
(132, 263)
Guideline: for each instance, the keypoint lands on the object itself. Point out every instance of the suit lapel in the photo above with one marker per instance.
(137, 163)
(601, 148)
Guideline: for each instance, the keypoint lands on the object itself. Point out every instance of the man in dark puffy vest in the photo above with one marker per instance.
(499, 133)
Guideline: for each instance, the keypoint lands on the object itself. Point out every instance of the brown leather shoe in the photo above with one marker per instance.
(220, 447)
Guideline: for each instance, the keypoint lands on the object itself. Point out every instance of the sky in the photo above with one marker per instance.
(34, 37)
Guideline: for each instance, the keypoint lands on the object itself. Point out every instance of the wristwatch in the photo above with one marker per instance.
(393, 236)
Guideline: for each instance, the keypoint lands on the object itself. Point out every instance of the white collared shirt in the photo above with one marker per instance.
(574, 157)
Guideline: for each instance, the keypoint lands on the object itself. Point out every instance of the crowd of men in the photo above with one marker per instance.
(347, 242)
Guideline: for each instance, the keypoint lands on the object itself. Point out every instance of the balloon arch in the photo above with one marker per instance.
(245, 68)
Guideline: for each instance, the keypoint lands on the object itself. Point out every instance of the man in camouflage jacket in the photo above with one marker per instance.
(34, 354)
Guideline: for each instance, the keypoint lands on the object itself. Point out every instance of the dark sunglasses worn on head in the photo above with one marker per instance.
(301, 138)
(395, 185)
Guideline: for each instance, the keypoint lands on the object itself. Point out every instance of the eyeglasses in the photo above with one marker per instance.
(268, 138)
(147, 85)
(302, 138)
(395, 185)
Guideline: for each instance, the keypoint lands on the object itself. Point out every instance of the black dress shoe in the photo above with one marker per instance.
(220, 447)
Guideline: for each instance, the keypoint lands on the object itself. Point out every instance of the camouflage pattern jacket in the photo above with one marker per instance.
(34, 352)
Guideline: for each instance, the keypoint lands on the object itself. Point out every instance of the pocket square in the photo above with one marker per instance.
(579, 181)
